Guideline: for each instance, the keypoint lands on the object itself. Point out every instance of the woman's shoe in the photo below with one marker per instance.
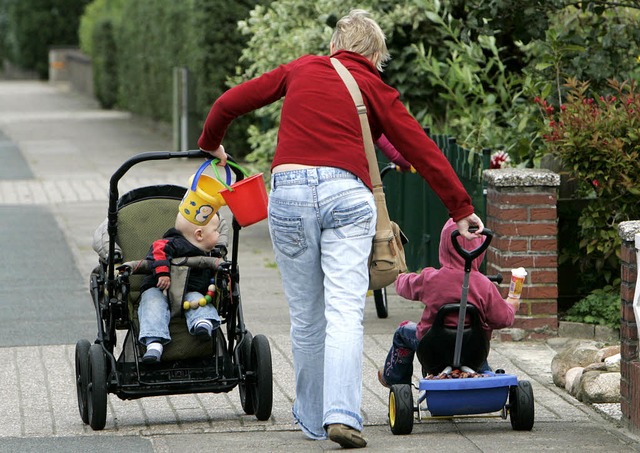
(346, 436)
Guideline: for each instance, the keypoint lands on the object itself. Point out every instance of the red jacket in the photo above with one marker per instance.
(438, 287)
(319, 125)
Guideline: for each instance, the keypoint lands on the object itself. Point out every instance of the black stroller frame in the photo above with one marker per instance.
(237, 359)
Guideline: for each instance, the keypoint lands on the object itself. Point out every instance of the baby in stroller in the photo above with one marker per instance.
(436, 288)
(185, 239)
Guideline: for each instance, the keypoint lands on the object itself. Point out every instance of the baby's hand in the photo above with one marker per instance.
(164, 282)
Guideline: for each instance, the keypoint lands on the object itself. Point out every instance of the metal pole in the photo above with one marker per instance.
(176, 109)
(184, 114)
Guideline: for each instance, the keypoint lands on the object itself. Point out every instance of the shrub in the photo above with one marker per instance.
(33, 26)
(105, 70)
(97, 11)
(601, 307)
(598, 140)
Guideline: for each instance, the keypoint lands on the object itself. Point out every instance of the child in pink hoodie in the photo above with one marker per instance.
(438, 287)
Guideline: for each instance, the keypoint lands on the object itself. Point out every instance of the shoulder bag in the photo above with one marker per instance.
(387, 258)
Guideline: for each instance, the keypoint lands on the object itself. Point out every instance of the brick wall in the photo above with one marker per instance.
(629, 366)
(521, 211)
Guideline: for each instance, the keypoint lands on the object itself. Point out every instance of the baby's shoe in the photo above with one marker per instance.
(203, 329)
(153, 354)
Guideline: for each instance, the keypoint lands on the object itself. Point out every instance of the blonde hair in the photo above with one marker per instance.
(359, 33)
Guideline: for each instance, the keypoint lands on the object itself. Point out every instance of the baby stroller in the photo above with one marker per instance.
(232, 358)
(452, 355)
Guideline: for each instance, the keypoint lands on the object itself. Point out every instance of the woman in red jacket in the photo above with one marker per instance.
(322, 215)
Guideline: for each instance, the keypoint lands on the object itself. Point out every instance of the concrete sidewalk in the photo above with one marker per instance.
(58, 153)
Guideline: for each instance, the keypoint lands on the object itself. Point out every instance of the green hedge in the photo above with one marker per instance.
(31, 27)
(105, 60)
(136, 45)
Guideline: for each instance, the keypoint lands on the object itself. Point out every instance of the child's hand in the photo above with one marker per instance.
(164, 282)
(514, 302)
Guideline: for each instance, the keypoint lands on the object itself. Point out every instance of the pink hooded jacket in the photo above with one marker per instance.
(438, 287)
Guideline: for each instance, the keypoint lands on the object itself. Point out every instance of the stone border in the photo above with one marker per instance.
(596, 332)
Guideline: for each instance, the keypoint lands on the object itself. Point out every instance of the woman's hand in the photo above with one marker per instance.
(464, 224)
(219, 153)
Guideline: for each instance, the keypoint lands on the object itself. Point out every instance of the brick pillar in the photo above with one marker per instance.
(629, 365)
(521, 211)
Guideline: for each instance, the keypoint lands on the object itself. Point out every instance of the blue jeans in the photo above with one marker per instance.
(322, 222)
(398, 366)
(154, 315)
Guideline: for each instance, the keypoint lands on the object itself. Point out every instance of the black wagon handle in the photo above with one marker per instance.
(470, 255)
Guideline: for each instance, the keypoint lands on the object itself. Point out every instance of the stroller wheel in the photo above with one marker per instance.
(97, 388)
(380, 298)
(262, 388)
(401, 409)
(245, 363)
(82, 377)
(521, 406)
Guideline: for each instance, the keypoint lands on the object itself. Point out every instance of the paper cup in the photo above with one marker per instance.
(517, 279)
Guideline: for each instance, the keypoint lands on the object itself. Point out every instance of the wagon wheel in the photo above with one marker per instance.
(262, 388)
(97, 388)
(380, 298)
(245, 363)
(82, 377)
(521, 406)
(401, 409)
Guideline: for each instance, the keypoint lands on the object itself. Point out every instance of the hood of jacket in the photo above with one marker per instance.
(449, 257)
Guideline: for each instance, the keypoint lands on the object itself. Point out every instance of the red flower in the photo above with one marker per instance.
(499, 159)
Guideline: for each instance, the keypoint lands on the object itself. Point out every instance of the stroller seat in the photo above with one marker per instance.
(436, 349)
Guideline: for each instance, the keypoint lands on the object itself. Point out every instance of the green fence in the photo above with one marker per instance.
(417, 209)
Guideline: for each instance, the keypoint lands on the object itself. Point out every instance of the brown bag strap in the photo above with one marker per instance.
(356, 95)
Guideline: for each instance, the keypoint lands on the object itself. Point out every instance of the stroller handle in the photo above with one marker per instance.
(470, 255)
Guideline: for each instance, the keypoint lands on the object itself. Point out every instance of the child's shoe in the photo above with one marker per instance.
(153, 354)
(203, 329)
(381, 379)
